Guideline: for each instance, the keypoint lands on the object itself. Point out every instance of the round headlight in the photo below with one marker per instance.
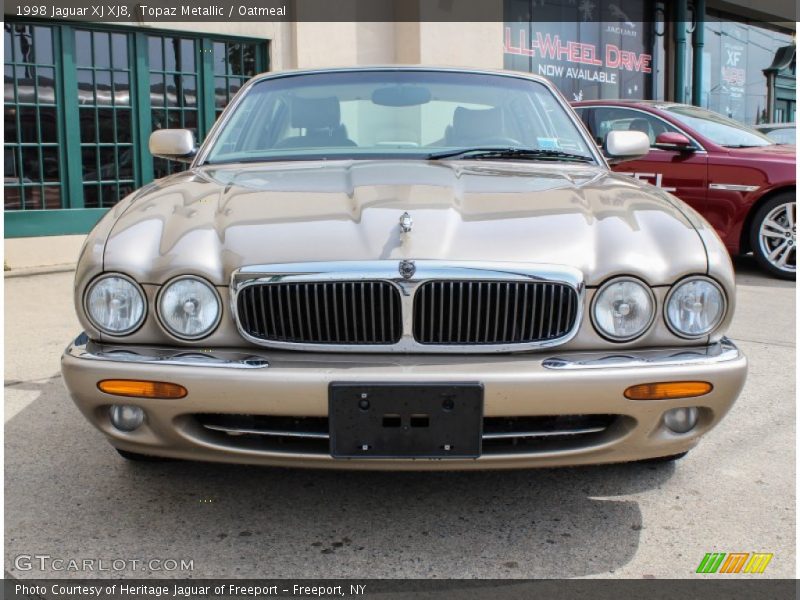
(695, 307)
(623, 309)
(115, 304)
(189, 307)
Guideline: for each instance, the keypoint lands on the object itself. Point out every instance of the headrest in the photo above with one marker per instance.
(315, 113)
(639, 125)
(477, 123)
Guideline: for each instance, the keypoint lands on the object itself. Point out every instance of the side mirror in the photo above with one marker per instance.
(173, 144)
(620, 146)
(672, 140)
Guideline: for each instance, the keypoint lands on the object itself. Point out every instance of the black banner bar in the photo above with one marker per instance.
(711, 588)
(165, 11)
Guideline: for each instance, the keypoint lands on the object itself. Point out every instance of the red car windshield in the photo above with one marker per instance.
(718, 129)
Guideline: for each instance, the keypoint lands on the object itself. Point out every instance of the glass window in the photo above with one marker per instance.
(234, 63)
(107, 154)
(735, 55)
(388, 113)
(173, 91)
(41, 165)
(32, 153)
(601, 120)
(718, 129)
(590, 49)
(782, 135)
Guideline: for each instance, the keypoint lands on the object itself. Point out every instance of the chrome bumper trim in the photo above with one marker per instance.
(722, 351)
(268, 432)
(84, 348)
(541, 434)
(236, 431)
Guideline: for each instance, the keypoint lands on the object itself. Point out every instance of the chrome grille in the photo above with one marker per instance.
(493, 312)
(443, 307)
(342, 312)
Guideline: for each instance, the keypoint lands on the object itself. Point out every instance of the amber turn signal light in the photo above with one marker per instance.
(142, 389)
(668, 390)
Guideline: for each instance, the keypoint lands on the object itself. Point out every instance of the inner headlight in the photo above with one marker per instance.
(623, 309)
(115, 304)
(189, 307)
(695, 307)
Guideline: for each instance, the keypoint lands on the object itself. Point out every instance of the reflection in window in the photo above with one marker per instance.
(234, 63)
(173, 90)
(603, 120)
(736, 54)
(107, 153)
(32, 165)
(100, 75)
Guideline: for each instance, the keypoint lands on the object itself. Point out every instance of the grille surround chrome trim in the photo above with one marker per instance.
(387, 270)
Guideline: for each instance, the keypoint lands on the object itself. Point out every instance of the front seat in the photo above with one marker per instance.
(472, 127)
(321, 119)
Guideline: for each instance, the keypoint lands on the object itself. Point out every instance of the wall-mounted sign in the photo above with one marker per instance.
(585, 57)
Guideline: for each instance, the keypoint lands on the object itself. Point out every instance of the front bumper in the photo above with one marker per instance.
(295, 384)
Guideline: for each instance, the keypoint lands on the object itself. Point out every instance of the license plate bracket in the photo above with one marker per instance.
(408, 420)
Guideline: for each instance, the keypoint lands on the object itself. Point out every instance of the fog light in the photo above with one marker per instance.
(681, 420)
(126, 417)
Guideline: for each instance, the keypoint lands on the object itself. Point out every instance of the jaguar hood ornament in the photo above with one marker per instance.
(406, 222)
(407, 268)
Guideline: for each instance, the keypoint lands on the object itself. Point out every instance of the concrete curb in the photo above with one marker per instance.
(30, 271)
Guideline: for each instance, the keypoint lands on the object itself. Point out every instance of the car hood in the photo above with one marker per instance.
(214, 219)
(785, 152)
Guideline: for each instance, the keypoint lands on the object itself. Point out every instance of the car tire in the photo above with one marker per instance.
(773, 236)
(135, 457)
(666, 459)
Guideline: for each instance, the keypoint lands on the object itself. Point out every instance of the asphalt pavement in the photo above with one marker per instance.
(69, 496)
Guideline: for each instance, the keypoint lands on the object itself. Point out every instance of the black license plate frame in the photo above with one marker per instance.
(438, 420)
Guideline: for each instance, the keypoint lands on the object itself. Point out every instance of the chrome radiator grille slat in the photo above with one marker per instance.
(333, 312)
(419, 306)
(492, 312)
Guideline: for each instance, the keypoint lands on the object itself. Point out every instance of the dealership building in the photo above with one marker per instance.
(81, 99)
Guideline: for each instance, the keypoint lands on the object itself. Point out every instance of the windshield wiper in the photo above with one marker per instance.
(510, 152)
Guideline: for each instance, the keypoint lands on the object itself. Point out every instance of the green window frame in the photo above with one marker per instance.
(111, 87)
(33, 166)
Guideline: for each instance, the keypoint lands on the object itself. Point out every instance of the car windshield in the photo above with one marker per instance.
(720, 130)
(781, 135)
(397, 113)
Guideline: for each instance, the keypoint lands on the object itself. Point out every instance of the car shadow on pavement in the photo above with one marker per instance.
(748, 272)
(69, 494)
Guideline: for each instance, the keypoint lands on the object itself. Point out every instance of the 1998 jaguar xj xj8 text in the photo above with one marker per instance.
(404, 268)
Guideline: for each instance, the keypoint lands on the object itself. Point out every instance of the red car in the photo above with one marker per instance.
(742, 182)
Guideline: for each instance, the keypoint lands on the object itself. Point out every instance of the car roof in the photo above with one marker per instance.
(654, 104)
(410, 67)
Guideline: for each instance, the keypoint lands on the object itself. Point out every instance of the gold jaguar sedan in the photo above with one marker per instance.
(402, 268)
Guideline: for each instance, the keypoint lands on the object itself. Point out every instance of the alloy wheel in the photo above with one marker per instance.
(777, 237)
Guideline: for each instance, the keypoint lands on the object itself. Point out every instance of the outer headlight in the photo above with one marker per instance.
(623, 309)
(115, 304)
(695, 307)
(189, 307)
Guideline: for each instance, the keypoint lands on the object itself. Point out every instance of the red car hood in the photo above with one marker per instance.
(772, 152)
